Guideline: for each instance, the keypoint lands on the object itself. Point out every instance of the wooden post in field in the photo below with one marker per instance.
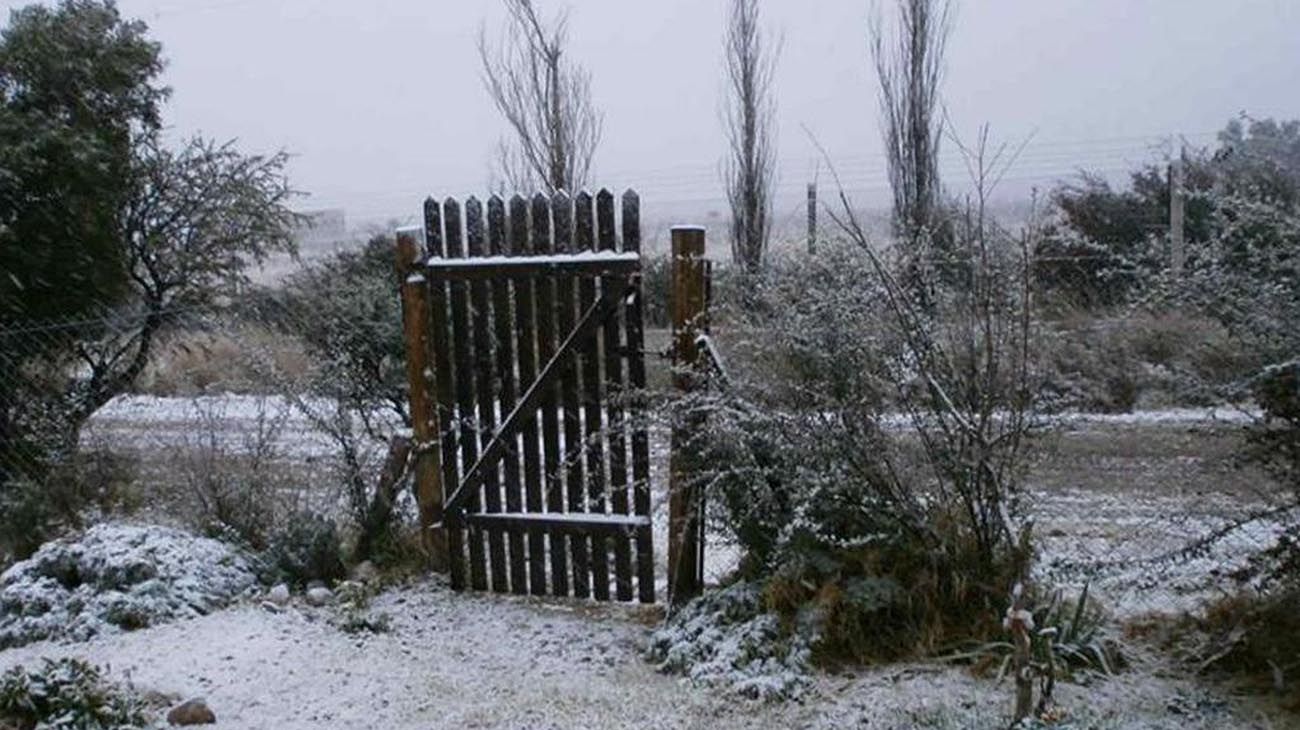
(812, 218)
(685, 502)
(1177, 214)
(421, 378)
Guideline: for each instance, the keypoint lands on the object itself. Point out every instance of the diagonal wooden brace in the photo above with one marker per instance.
(610, 298)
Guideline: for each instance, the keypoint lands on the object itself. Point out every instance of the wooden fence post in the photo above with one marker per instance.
(416, 327)
(685, 502)
(812, 219)
(1177, 213)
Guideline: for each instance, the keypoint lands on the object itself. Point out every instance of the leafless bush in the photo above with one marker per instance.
(346, 314)
(965, 374)
(867, 451)
(232, 468)
(373, 481)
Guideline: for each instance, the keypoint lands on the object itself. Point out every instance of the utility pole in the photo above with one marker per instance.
(812, 218)
(1177, 211)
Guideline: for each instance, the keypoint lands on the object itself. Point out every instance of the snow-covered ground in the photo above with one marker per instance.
(156, 424)
(480, 661)
(458, 660)
(1130, 548)
(161, 421)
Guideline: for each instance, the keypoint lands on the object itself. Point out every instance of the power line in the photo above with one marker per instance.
(1043, 159)
(712, 190)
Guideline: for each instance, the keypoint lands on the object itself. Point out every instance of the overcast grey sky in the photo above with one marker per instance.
(380, 100)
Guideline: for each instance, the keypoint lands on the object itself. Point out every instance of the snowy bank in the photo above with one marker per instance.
(117, 577)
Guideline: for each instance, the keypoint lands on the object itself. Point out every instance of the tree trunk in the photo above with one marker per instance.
(380, 514)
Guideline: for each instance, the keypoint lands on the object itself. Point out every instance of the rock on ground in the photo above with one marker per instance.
(319, 596)
(279, 595)
(365, 572)
(117, 577)
(191, 712)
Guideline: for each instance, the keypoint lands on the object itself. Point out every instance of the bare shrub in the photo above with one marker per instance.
(232, 468)
(347, 315)
(965, 375)
(244, 490)
(866, 452)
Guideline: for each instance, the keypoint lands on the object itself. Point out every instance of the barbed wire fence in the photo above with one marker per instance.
(234, 419)
(233, 423)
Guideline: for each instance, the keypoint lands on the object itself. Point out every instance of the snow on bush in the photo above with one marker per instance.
(725, 638)
(67, 693)
(117, 577)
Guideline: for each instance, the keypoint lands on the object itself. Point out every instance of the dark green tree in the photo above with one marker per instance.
(78, 88)
(107, 236)
(1106, 242)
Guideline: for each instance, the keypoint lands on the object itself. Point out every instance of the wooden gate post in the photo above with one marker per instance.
(416, 327)
(685, 501)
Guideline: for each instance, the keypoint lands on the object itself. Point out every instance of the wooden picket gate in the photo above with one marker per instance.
(525, 355)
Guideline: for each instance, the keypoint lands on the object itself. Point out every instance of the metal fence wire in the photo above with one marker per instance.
(1133, 482)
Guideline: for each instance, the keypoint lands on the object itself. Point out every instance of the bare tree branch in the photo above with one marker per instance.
(969, 351)
(545, 99)
(194, 220)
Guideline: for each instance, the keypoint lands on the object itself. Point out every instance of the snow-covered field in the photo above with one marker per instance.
(1110, 493)
(152, 424)
(1113, 491)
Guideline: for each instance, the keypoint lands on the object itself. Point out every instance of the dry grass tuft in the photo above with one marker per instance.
(226, 361)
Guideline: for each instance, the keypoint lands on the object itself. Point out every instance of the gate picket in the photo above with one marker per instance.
(526, 348)
(593, 427)
(504, 321)
(446, 401)
(618, 480)
(552, 485)
(485, 385)
(645, 566)
(463, 344)
(562, 211)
